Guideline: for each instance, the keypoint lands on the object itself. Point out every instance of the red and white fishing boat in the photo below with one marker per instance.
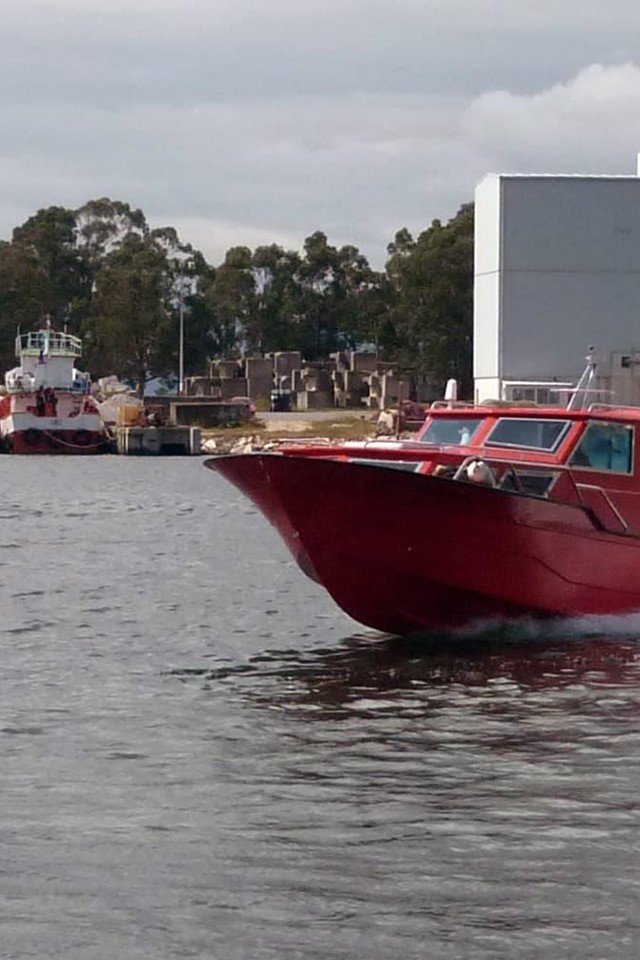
(47, 407)
(491, 512)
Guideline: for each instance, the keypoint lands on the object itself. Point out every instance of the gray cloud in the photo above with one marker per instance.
(247, 122)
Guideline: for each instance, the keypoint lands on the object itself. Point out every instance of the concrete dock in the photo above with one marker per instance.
(164, 441)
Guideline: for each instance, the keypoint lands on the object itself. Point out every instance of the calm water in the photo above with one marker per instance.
(201, 757)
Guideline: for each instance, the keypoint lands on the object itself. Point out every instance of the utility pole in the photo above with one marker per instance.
(185, 282)
(181, 352)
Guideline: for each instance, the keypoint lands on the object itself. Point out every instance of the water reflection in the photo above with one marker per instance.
(366, 673)
(479, 793)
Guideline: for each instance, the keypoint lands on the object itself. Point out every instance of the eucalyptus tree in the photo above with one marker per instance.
(131, 314)
(342, 298)
(317, 319)
(49, 238)
(48, 269)
(362, 296)
(432, 311)
(230, 297)
(103, 223)
(147, 301)
(22, 296)
(273, 319)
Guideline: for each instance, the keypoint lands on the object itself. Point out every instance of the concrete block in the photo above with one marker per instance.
(233, 388)
(208, 413)
(354, 380)
(226, 369)
(340, 359)
(297, 382)
(259, 387)
(315, 379)
(258, 368)
(286, 361)
(393, 385)
(314, 400)
(339, 378)
(200, 386)
(361, 362)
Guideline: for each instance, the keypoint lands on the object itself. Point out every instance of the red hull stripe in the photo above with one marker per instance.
(57, 442)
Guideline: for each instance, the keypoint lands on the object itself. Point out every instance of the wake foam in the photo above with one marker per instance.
(610, 626)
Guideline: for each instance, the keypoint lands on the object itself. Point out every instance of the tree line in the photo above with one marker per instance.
(121, 286)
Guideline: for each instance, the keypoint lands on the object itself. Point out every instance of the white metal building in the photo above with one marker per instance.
(557, 269)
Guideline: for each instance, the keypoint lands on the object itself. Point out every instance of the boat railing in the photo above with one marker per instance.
(47, 342)
(594, 407)
(19, 382)
(451, 405)
(593, 490)
(588, 495)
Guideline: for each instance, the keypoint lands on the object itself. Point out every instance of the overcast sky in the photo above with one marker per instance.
(254, 121)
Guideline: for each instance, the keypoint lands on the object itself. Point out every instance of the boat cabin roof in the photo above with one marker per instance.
(602, 438)
(47, 341)
(596, 411)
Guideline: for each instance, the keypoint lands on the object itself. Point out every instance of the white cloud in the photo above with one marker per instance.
(213, 237)
(590, 124)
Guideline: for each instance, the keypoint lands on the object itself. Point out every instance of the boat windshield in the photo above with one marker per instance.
(605, 446)
(529, 433)
(450, 430)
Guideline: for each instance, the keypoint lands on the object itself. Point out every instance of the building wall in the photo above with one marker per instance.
(487, 278)
(567, 275)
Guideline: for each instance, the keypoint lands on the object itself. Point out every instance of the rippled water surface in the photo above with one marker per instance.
(201, 757)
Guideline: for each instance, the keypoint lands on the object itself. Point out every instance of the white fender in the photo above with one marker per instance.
(480, 472)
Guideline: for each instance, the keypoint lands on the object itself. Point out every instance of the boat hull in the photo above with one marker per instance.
(401, 552)
(74, 427)
(57, 441)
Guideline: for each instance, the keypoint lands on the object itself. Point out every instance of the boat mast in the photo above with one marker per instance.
(585, 385)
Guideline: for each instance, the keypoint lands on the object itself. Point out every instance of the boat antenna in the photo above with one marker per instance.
(579, 394)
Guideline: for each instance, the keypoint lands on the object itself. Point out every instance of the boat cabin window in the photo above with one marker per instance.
(605, 446)
(528, 432)
(451, 430)
(535, 484)
(410, 466)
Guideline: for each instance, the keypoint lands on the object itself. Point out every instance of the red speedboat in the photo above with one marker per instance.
(491, 512)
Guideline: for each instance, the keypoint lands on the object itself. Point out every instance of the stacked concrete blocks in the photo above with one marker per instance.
(351, 379)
